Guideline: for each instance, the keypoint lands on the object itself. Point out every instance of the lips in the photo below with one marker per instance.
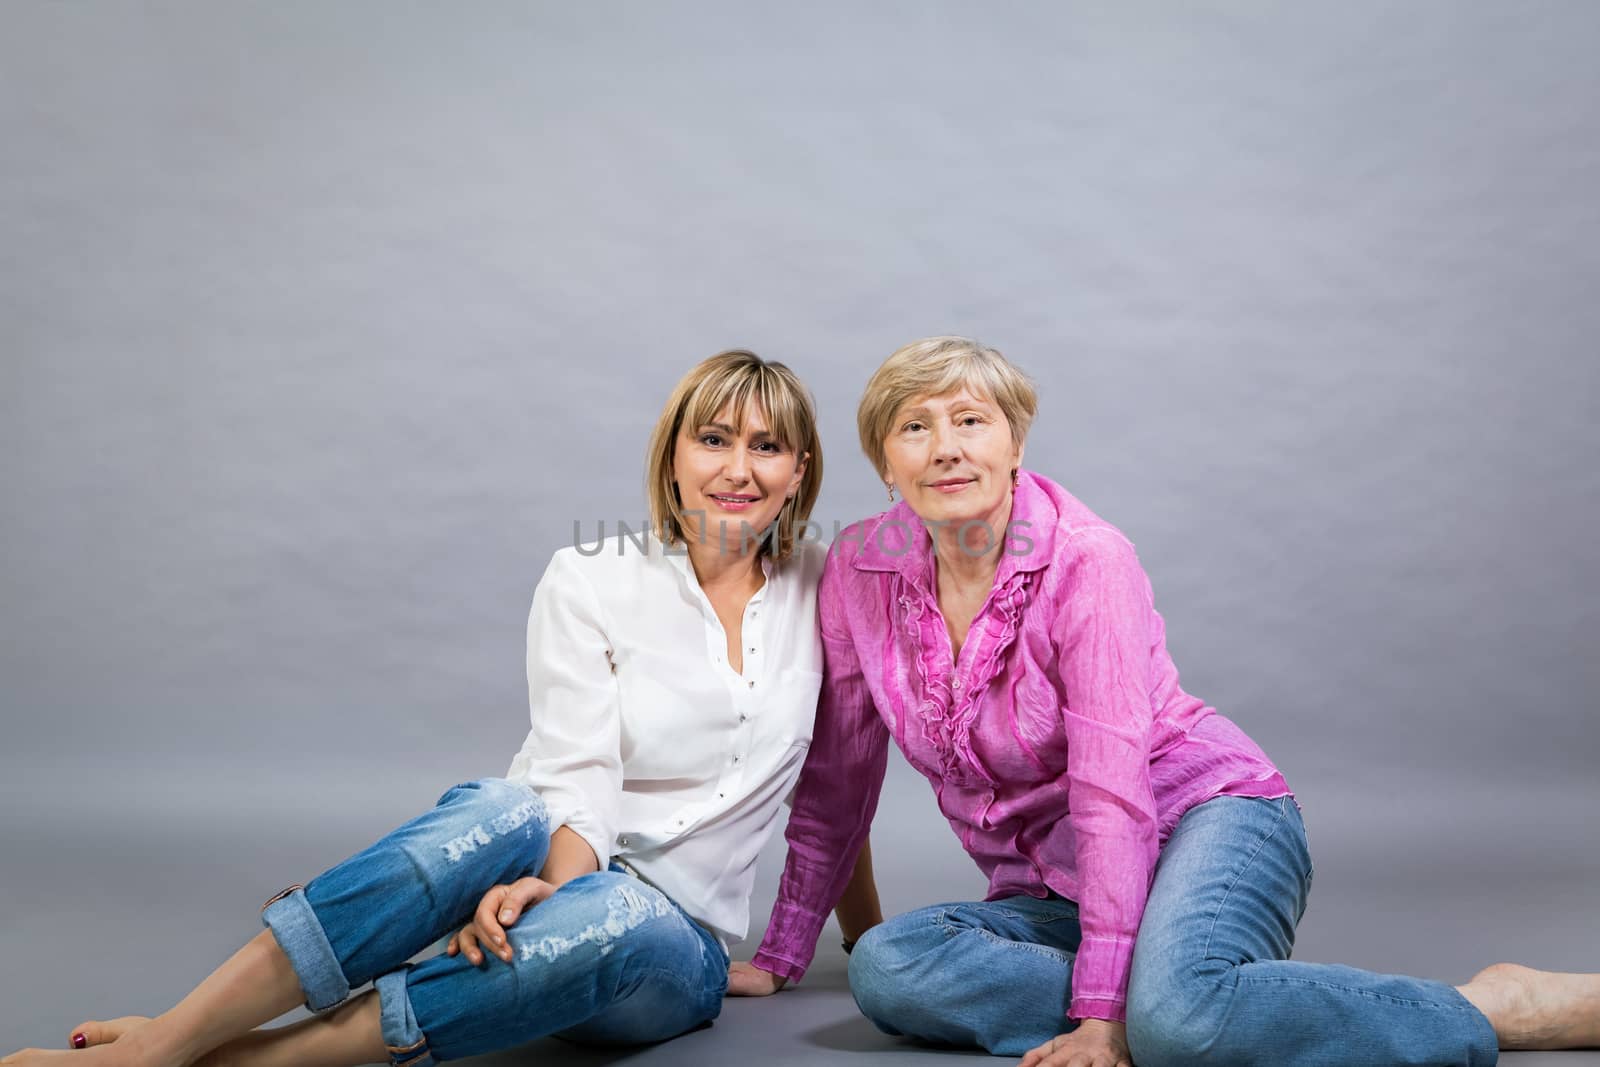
(733, 501)
(950, 485)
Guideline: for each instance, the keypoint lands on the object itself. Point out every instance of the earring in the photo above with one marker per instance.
(891, 491)
(1013, 477)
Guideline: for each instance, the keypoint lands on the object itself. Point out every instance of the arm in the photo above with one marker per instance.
(835, 797)
(570, 856)
(858, 910)
(1103, 641)
(573, 752)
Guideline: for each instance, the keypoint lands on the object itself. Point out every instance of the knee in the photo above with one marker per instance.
(881, 978)
(500, 804)
(1175, 1018)
(603, 919)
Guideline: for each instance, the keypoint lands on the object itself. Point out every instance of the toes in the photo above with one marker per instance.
(103, 1032)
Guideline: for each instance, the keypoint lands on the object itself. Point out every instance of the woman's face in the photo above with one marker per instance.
(951, 457)
(728, 476)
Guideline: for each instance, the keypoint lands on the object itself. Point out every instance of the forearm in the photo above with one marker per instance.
(570, 856)
(858, 910)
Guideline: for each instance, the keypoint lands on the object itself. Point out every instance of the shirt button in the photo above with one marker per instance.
(956, 685)
(736, 759)
(623, 840)
(722, 796)
(743, 716)
(752, 685)
(752, 650)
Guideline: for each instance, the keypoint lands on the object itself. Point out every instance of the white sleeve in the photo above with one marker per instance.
(573, 754)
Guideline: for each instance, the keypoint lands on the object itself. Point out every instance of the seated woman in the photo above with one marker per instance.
(1147, 864)
(672, 684)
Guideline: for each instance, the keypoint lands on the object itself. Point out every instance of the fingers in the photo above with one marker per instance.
(521, 895)
(487, 920)
(468, 939)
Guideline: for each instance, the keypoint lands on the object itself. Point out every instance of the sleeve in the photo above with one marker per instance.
(834, 798)
(1103, 641)
(573, 753)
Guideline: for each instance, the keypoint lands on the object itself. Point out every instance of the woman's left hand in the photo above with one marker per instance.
(1095, 1043)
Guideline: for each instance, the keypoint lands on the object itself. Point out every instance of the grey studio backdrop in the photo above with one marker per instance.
(322, 325)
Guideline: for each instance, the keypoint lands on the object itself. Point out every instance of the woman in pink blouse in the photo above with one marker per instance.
(1147, 863)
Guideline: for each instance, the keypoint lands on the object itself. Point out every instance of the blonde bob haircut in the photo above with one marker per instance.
(935, 366)
(736, 381)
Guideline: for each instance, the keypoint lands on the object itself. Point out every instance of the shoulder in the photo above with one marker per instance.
(1073, 531)
(600, 569)
(805, 565)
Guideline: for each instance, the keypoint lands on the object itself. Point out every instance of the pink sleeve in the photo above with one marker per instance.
(835, 797)
(1104, 634)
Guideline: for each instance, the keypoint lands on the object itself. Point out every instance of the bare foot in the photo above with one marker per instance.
(1532, 1009)
(98, 1032)
(104, 1056)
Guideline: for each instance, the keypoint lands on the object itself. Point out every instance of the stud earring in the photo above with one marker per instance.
(891, 491)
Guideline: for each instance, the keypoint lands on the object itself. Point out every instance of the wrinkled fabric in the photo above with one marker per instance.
(1059, 745)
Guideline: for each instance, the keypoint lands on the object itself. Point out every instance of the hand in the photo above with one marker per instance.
(499, 908)
(1095, 1043)
(748, 980)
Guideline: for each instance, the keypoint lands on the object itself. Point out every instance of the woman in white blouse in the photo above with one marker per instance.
(672, 679)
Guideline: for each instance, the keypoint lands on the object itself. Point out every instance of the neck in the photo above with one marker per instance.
(714, 567)
(969, 551)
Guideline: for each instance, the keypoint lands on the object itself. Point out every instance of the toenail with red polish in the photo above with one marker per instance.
(80, 1040)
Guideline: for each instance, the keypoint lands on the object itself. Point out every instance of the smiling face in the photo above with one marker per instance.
(728, 474)
(951, 457)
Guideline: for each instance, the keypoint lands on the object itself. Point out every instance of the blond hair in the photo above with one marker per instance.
(736, 380)
(935, 366)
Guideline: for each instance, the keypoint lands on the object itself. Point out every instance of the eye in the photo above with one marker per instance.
(771, 448)
(711, 440)
(912, 427)
(970, 420)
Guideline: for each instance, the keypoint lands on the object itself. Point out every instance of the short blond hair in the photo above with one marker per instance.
(935, 366)
(737, 380)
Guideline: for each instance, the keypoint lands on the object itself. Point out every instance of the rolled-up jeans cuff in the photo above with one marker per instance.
(291, 920)
(407, 1044)
(1485, 1042)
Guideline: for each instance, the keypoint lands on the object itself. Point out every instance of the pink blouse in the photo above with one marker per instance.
(1059, 744)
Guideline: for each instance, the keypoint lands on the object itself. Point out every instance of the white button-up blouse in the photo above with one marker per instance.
(644, 741)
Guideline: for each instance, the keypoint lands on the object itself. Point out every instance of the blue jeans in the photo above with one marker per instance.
(607, 958)
(1212, 982)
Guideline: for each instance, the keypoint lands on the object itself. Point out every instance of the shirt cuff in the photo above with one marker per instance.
(785, 969)
(790, 941)
(564, 813)
(1100, 979)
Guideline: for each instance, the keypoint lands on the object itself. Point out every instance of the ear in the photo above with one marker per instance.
(1016, 460)
(799, 475)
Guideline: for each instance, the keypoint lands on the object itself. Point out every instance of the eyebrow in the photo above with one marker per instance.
(724, 428)
(956, 404)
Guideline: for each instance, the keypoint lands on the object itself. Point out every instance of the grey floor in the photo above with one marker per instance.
(119, 907)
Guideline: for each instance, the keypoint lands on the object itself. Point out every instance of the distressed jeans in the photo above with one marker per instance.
(1212, 982)
(607, 958)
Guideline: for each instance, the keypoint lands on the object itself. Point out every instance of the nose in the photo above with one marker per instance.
(945, 449)
(737, 468)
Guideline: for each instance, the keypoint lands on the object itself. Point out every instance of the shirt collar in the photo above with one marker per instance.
(678, 556)
(897, 541)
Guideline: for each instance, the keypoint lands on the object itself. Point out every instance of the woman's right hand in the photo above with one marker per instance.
(499, 908)
(748, 980)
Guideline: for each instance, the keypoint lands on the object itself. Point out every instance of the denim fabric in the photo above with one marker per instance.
(607, 958)
(994, 974)
(1211, 983)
